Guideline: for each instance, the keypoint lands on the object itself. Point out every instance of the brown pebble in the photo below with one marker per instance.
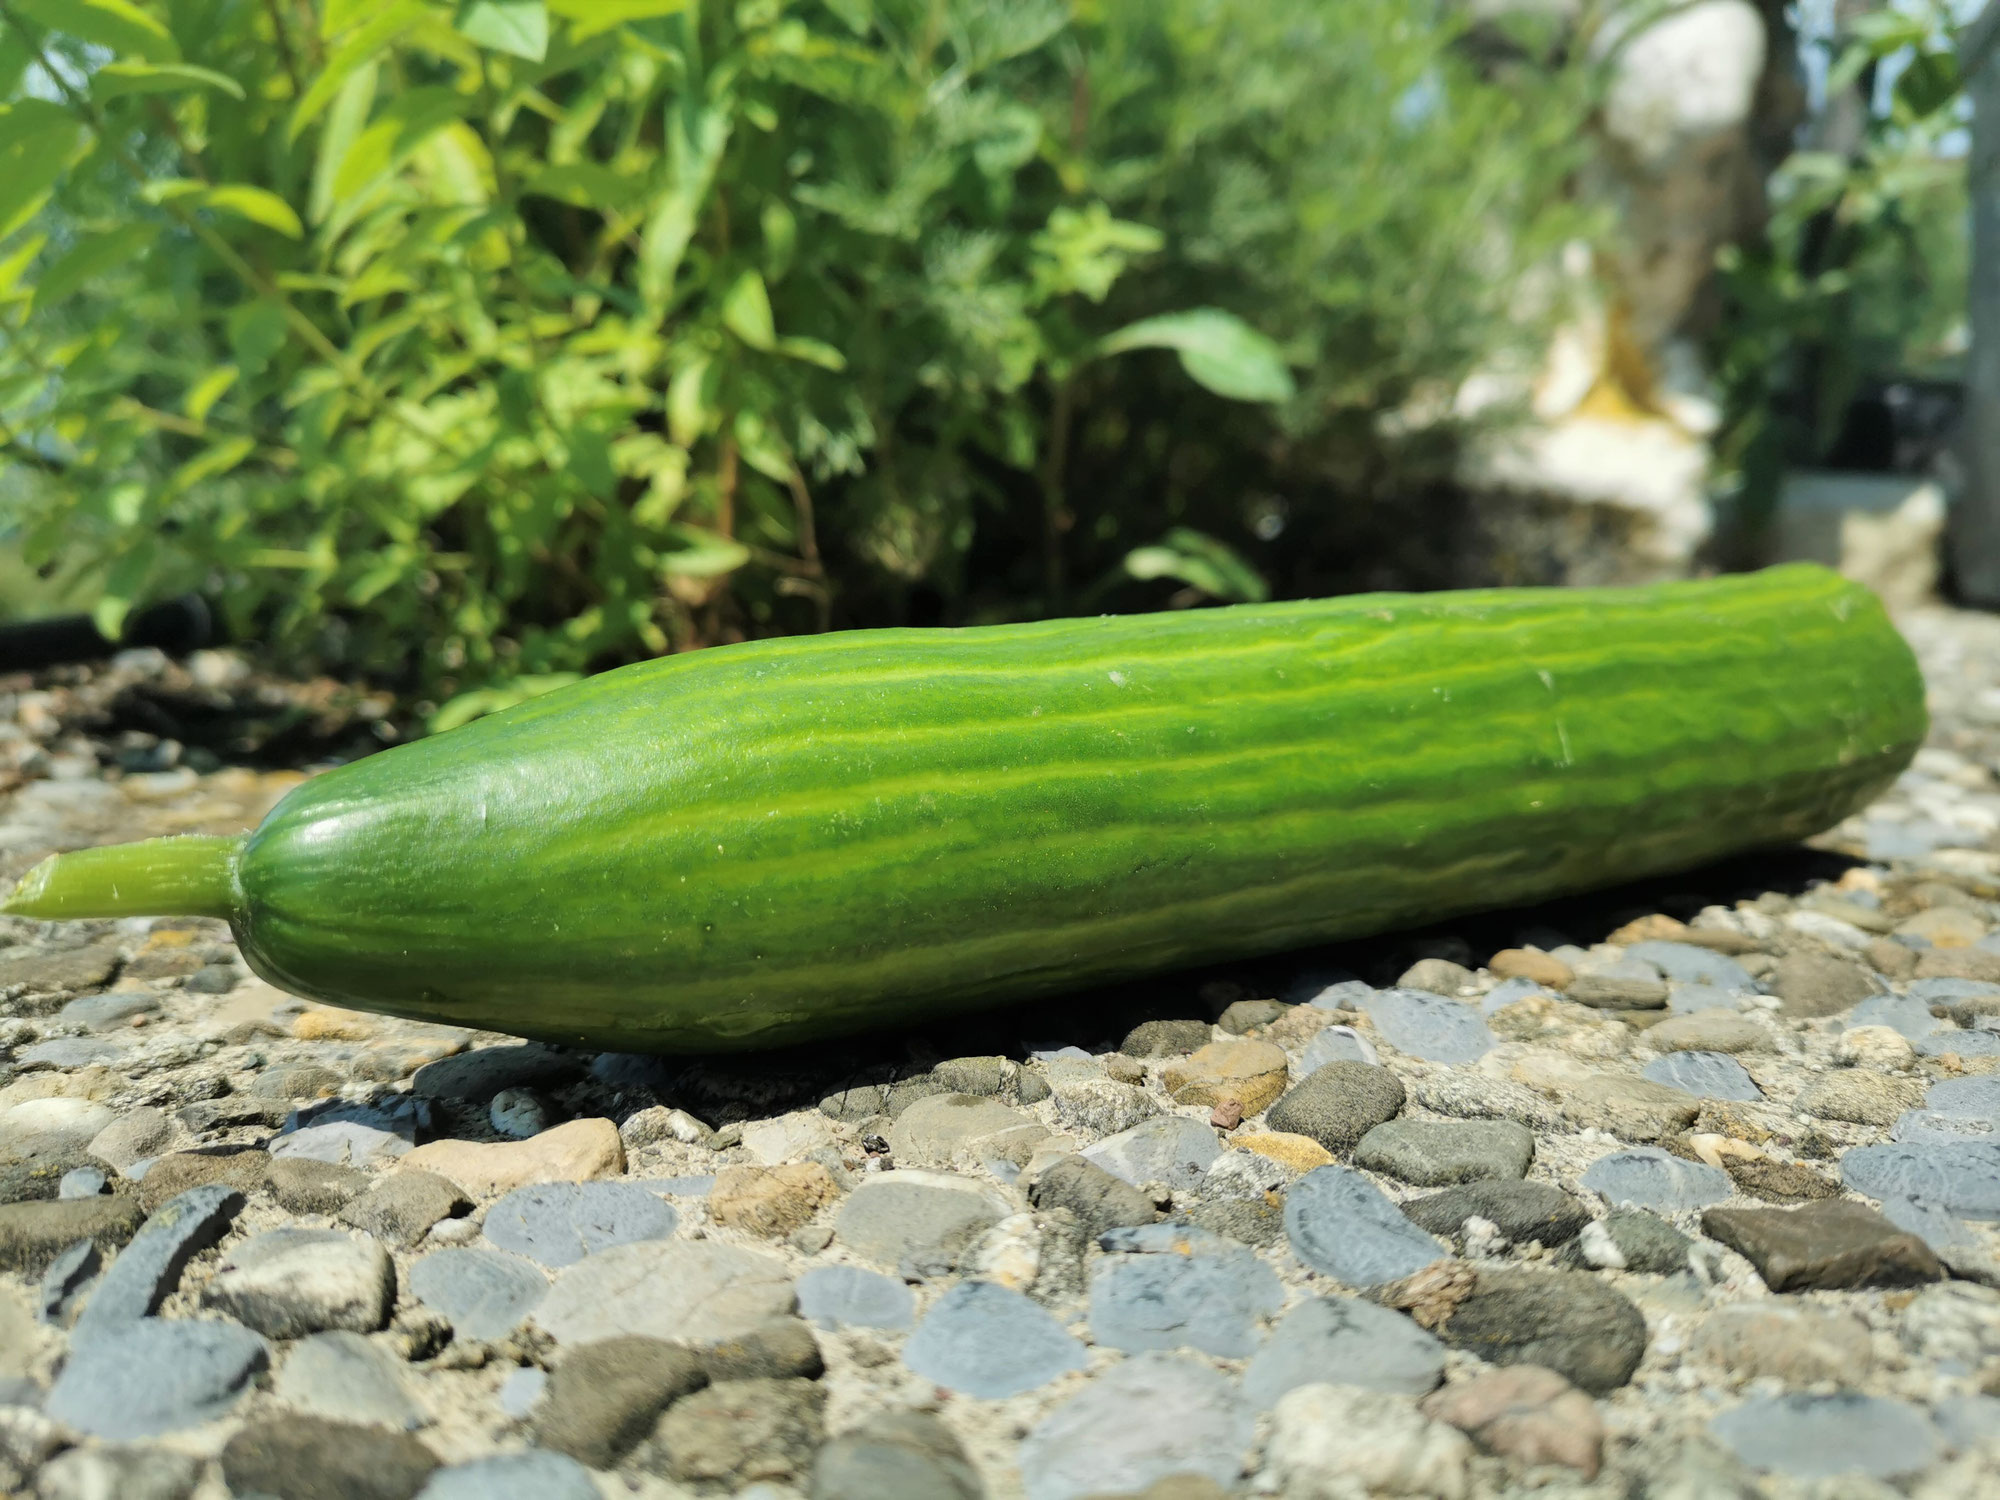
(1227, 1115)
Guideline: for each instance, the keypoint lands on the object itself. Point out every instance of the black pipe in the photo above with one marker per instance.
(175, 626)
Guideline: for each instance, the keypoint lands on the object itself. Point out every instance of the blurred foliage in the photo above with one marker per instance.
(471, 346)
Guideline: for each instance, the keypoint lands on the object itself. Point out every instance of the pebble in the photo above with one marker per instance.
(1336, 1105)
(63, 1284)
(118, 1474)
(403, 1206)
(519, 1114)
(737, 1431)
(149, 1268)
(1336, 1044)
(1908, 1016)
(521, 1390)
(1466, 1095)
(1698, 999)
(485, 1293)
(1538, 1211)
(68, 1052)
(1525, 1413)
(297, 1081)
(1210, 1300)
(696, 1291)
(657, 1124)
(1099, 1106)
(81, 1182)
(304, 1186)
(343, 1143)
(1340, 1224)
(1419, 1024)
(111, 1011)
(556, 1224)
(896, 1455)
(1438, 976)
(1296, 1153)
(480, 1073)
(1633, 1109)
(1707, 1031)
(1818, 1437)
(1165, 1038)
(1706, 1075)
(34, 1234)
(512, 1476)
(343, 1377)
(1794, 1342)
(1169, 1149)
(1876, 1047)
(60, 970)
(275, 1456)
(1568, 1321)
(51, 1129)
(1631, 1239)
(1331, 1441)
(1617, 992)
(1099, 1200)
(577, 1151)
(604, 1397)
(1690, 964)
(154, 1375)
(293, 1281)
(1251, 1074)
(1826, 1246)
(1812, 985)
(946, 1129)
(1647, 1177)
(1366, 1345)
(850, 1297)
(916, 1218)
(1147, 1418)
(1532, 965)
(984, 1340)
(1961, 1178)
(1438, 1153)
(1859, 1097)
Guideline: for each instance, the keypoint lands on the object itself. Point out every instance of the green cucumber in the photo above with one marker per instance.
(796, 838)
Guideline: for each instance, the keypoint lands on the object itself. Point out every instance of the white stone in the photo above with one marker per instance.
(1880, 1047)
(1331, 1442)
(1829, 930)
(787, 1138)
(1686, 79)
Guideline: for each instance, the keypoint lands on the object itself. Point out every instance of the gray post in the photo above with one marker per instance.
(1975, 519)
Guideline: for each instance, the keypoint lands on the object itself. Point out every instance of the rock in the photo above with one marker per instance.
(1332, 1044)
(154, 1375)
(1366, 1345)
(244, 1169)
(1467, 1095)
(1532, 965)
(1602, 991)
(1633, 1109)
(51, 1129)
(1689, 1000)
(34, 1234)
(477, 1075)
(1100, 1106)
(1962, 1178)
(1099, 1200)
(1826, 1246)
(1338, 1104)
(1169, 1149)
(63, 971)
(1860, 1097)
(110, 1011)
(304, 1186)
(289, 1282)
(945, 1129)
(1340, 1224)
(512, 1476)
(782, 1349)
(920, 1219)
(68, 1052)
(1254, 1222)
(1297, 1153)
(1795, 1342)
(342, 1377)
(344, 1142)
(521, 1392)
(896, 1455)
(299, 1081)
(136, 1136)
(1707, 1031)
(299, 1457)
(1419, 1024)
(1165, 1038)
(1706, 1075)
(603, 1398)
(403, 1206)
(1944, 927)
(573, 1152)
(118, 1474)
(788, 1137)
(82, 1182)
(738, 1431)
(1438, 976)
(65, 1282)
(556, 1224)
(767, 1201)
(1207, 1299)
(1647, 1177)
(1330, 1442)
(1568, 1321)
(1954, 1326)
(1689, 963)
(1630, 1239)
(849, 1297)
(1152, 1416)
(149, 1268)
(519, 1114)
(986, 1341)
(652, 1126)
(988, 1075)
(1907, 1016)
(1437, 1153)
(1812, 1437)
(1538, 1211)
(1980, 964)
(1525, 1413)
(486, 1294)
(695, 1291)
(1812, 984)
(1778, 1181)
(1250, 1073)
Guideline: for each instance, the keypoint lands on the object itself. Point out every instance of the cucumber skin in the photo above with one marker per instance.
(789, 839)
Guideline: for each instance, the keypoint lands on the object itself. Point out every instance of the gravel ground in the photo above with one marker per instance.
(1681, 1191)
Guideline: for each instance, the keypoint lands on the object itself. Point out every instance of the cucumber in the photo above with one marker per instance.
(796, 838)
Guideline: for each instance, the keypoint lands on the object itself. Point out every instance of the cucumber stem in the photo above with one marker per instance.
(188, 875)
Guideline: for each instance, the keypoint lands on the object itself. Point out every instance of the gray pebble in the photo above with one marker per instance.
(1336, 1044)
(696, 1291)
(1964, 1043)
(1906, 1015)
(1960, 1177)
(1569, 1321)
(482, 1072)
(1359, 1342)
(1706, 1075)
(1152, 1416)
(149, 1268)
(1686, 999)
(296, 1081)
(916, 1218)
(1210, 1301)
(1338, 1104)
(342, 1376)
(67, 1052)
(513, 1476)
(1631, 1239)
(81, 1182)
(1940, 1230)
(112, 1009)
(288, 1282)
(1647, 1177)
(1510, 992)
(1931, 1125)
(64, 1282)
(1341, 1224)
(1168, 1148)
(1815, 1437)
(519, 1113)
(983, 1340)
(1692, 964)
(558, 1223)
(1538, 1211)
(1165, 1038)
(1099, 1200)
(1439, 1153)
(1420, 1024)
(485, 1293)
(850, 1297)
(896, 1455)
(403, 1206)
(118, 1474)
(155, 1375)
(1975, 1098)
(521, 1389)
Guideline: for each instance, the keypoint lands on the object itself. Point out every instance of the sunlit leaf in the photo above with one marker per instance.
(469, 706)
(746, 311)
(1219, 351)
(357, 51)
(813, 352)
(119, 78)
(588, 18)
(116, 24)
(517, 27)
(38, 140)
(208, 390)
(258, 205)
(703, 554)
(1195, 558)
(692, 158)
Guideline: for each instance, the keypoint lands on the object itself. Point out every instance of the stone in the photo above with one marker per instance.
(1169, 1149)
(1689, 963)
(1332, 1044)
(1257, 1223)
(1859, 1097)
(657, 1124)
(68, 1052)
(1532, 965)
(1601, 991)
(1296, 1153)
(1419, 1024)
(34, 1234)
(1165, 1038)
(1631, 1239)
(896, 1455)
(289, 1282)
(984, 1340)
(1466, 1095)
(1878, 1047)
(1568, 1321)
(1100, 1106)
(556, 1224)
(519, 1114)
(1707, 1031)
(1962, 1044)
(1209, 1300)
(118, 1474)
(1980, 964)
(1815, 1437)
(781, 1349)
(1944, 927)
(297, 1081)
(403, 1206)
(573, 1152)
(1439, 976)
(1338, 1104)
(921, 1219)
(1829, 1246)
(1149, 1417)
(62, 971)
(82, 1182)
(1526, 1413)
(1438, 1153)
(1538, 1211)
(154, 1375)
(1647, 1177)
(1243, 1016)
(1329, 1442)
(343, 1377)
(1966, 1098)
(51, 1129)
(768, 1201)
(478, 1074)
(1778, 1181)
(850, 1297)
(485, 1293)
(135, 1136)
(1633, 1109)
(944, 1129)
(512, 1476)
(64, 1283)
(1340, 1224)
(1962, 1178)
(1906, 1015)
(1706, 1075)
(739, 1431)
(1250, 1073)
(987, 1075)
(243, 1169)
(1955, 1326)
(345, 1143)
(298, 1457)
(788, 1137)
(1813, 984)
(1359, 1342)
(1099, 1200)
(148, 1269)
(521, 1391)
(304, 1186)
(695, 1291)
(1795, 1342)
(604, 1397)
(111, 1011)
(1691, 999)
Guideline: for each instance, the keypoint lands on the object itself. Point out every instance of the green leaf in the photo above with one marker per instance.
(1198, 559)
(343, 124)
(813, 352)
(116, 24)
(469, 706)
(517, 27)
(691, 160)
(702, 554)
(746, 311)
(258, 205)
(14, 59)
(256, 332)
(37, 142)
(117, 79)
(405, 123)
(689, 402)
(364, 46)
(90, 258)
(121, 589)
(587, 18)
(208, 390)
(1219, 350)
